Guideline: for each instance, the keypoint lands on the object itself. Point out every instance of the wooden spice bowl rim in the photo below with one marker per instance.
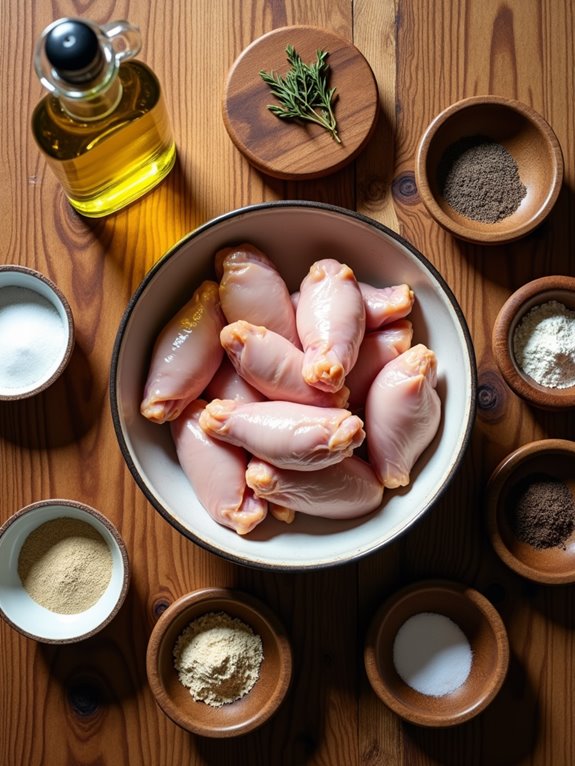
(534, 293)
(231, 719)
(553, 457)
(484, 629)
(24, 276)
(33, 620)
(530, 140)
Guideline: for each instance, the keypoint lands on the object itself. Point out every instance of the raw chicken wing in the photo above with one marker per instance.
(228, 384)
(376, 350)
(272, 364)
(185, 357)
(331, 323)
(402, 414)
(385, 304)
(251, 288)
(216, 472)
(343, 491)
(288, 435)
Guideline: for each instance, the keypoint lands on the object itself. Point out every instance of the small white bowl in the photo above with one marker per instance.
(27, 616)
(22, 289)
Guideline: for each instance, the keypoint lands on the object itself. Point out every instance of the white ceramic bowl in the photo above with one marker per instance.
(29, 617)
(28, 291)
(293, 235)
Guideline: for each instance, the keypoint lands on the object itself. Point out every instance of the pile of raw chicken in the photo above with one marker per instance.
(267, 394)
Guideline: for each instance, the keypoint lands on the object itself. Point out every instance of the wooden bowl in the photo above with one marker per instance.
(233, 718)
(284, 148)
(483, 628)
(534, 293)
(29, 617)
(526, 136)
(552, 457)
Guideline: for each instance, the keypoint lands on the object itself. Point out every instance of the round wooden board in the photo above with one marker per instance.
(287, 149)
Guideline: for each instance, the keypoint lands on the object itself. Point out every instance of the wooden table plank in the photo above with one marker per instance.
(90, 703)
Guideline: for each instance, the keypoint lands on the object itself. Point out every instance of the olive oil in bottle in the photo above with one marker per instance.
(103, 127)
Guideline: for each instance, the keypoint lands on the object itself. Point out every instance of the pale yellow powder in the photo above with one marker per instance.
(65, 565)
(218, 658)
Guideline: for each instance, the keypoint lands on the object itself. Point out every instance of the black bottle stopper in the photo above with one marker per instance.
(74, 51)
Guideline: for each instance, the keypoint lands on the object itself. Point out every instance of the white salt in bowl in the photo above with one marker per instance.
(481, 625)
(26, 615)
(36, 332)
(293, 235)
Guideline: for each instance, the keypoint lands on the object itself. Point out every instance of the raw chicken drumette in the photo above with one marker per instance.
(377, 349)
(272, 365)
(343, 491)
(252, 289)
(216, 472)
(288, 435)
(402, 414)
(331, 322)
(186, 355)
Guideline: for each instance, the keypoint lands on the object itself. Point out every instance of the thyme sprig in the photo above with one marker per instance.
(304, 91)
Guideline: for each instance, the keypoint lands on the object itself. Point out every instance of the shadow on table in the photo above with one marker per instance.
(61, 414)
(99, 674)
(504, 734)
(543, 252)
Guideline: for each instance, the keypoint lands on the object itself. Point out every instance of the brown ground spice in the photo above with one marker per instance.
(480, 179)
(542, 512)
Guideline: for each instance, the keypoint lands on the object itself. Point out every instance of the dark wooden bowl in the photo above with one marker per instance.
(534, 293)
(256, 706)
(556, 458)
(526, 136)
(484, 629)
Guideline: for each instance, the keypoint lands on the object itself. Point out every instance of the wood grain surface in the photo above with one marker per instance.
(89, 703)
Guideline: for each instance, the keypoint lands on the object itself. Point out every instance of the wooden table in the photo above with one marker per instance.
(89, 703)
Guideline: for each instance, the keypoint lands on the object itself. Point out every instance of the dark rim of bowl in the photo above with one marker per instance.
(256, 564)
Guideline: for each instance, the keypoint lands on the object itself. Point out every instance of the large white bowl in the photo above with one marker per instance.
(293, 235)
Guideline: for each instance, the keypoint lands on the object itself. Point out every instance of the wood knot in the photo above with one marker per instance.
(160, 606)
(491, 396)
(85, 698)
(372, 755)
(404, 189)
(373, 193)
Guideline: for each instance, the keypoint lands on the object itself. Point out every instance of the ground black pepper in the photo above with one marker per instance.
(479, 178)
(542, 512)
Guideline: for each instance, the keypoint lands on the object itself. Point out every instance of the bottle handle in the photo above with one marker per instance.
(125, 39)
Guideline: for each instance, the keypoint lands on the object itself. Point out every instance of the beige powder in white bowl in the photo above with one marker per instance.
(84, 596)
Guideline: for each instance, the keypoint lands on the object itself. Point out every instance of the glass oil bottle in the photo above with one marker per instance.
(103, 127)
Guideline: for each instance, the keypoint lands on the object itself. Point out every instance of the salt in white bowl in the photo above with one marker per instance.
(27, 616)
(36, 332)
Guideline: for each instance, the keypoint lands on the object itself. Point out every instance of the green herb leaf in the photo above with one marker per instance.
(304, 91)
